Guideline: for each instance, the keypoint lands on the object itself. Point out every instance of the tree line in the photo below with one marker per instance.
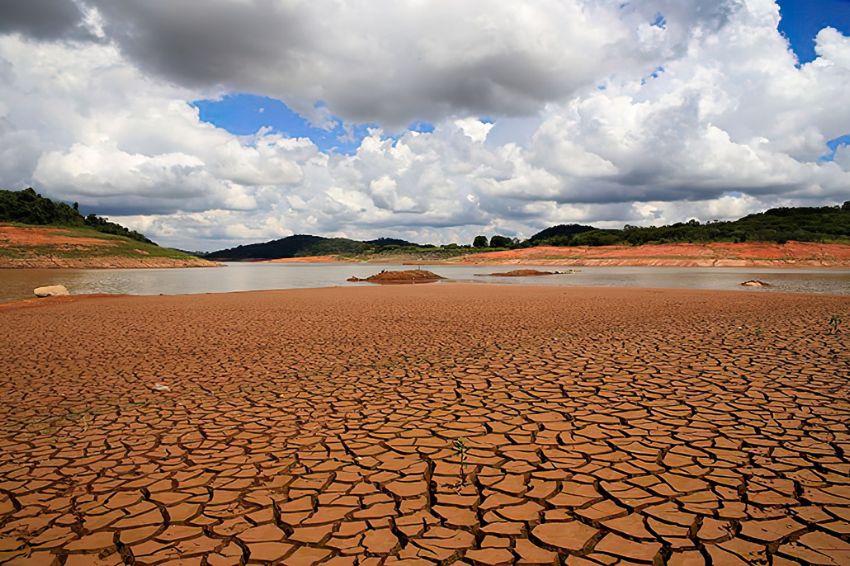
(779, 225)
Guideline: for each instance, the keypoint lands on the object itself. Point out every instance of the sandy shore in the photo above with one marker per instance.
(107, 262)
(718, 254)
(464, 424)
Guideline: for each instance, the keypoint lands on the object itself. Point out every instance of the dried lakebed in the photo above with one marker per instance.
(426, 424)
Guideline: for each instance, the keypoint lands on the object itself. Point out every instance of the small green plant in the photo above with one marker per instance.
(759, 333)
(460, 449)
(834, 324)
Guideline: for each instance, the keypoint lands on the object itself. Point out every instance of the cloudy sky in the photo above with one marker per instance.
(431, 120)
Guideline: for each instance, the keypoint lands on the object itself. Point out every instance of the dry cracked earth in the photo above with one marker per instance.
(444, 424)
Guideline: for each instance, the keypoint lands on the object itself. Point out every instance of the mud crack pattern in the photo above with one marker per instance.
(451, 424)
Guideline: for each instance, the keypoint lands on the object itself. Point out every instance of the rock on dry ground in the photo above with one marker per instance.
(318, 427)
(51, 291)
(755, 283)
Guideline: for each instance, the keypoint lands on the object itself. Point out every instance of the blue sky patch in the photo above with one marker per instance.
(422, 127)
(244, 114)
(833, 146)
(803, 19)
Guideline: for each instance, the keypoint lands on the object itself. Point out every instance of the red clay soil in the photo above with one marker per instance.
(34, 237)
(599, 426)
(791, 254)
(408, 276)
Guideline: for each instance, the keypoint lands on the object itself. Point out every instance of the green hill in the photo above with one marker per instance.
(561, 232)
(780, 225)
(29, 207)
(41, 233)
(25, 245)
(302, 245)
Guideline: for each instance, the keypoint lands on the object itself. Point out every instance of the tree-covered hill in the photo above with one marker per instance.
(561, 232)
(780, 225)
(302, 245)
(29, 207)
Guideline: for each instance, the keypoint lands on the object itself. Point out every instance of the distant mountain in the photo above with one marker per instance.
(302, 245)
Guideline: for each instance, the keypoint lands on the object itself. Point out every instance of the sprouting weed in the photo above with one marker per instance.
(460, 448)
(759, 333)
(834, 324)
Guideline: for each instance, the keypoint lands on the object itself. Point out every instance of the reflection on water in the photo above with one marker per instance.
(19, 283)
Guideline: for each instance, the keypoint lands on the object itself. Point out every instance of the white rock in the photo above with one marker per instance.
(160, 387)
(755, 283)
(51, 291)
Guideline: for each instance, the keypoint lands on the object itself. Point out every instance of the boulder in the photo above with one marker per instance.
(755, 283)
(51, 291)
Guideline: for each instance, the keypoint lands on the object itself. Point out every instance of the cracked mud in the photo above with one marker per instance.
(463, 424)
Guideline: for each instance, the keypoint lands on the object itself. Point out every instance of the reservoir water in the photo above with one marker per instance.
(19, 283)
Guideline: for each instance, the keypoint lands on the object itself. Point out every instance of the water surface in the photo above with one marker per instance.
(19, 283)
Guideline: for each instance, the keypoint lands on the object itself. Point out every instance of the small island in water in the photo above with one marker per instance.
(407, 276)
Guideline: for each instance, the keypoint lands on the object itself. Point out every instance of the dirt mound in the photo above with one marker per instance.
(408, 276)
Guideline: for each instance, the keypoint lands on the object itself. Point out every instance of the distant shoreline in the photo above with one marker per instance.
(805, 255)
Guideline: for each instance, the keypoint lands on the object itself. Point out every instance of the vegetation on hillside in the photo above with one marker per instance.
(780, 225)
(824, 224)
(821, 224)
(292, 246)
(114, 246)
(29, 207)
(559, 233)
(303, 245)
